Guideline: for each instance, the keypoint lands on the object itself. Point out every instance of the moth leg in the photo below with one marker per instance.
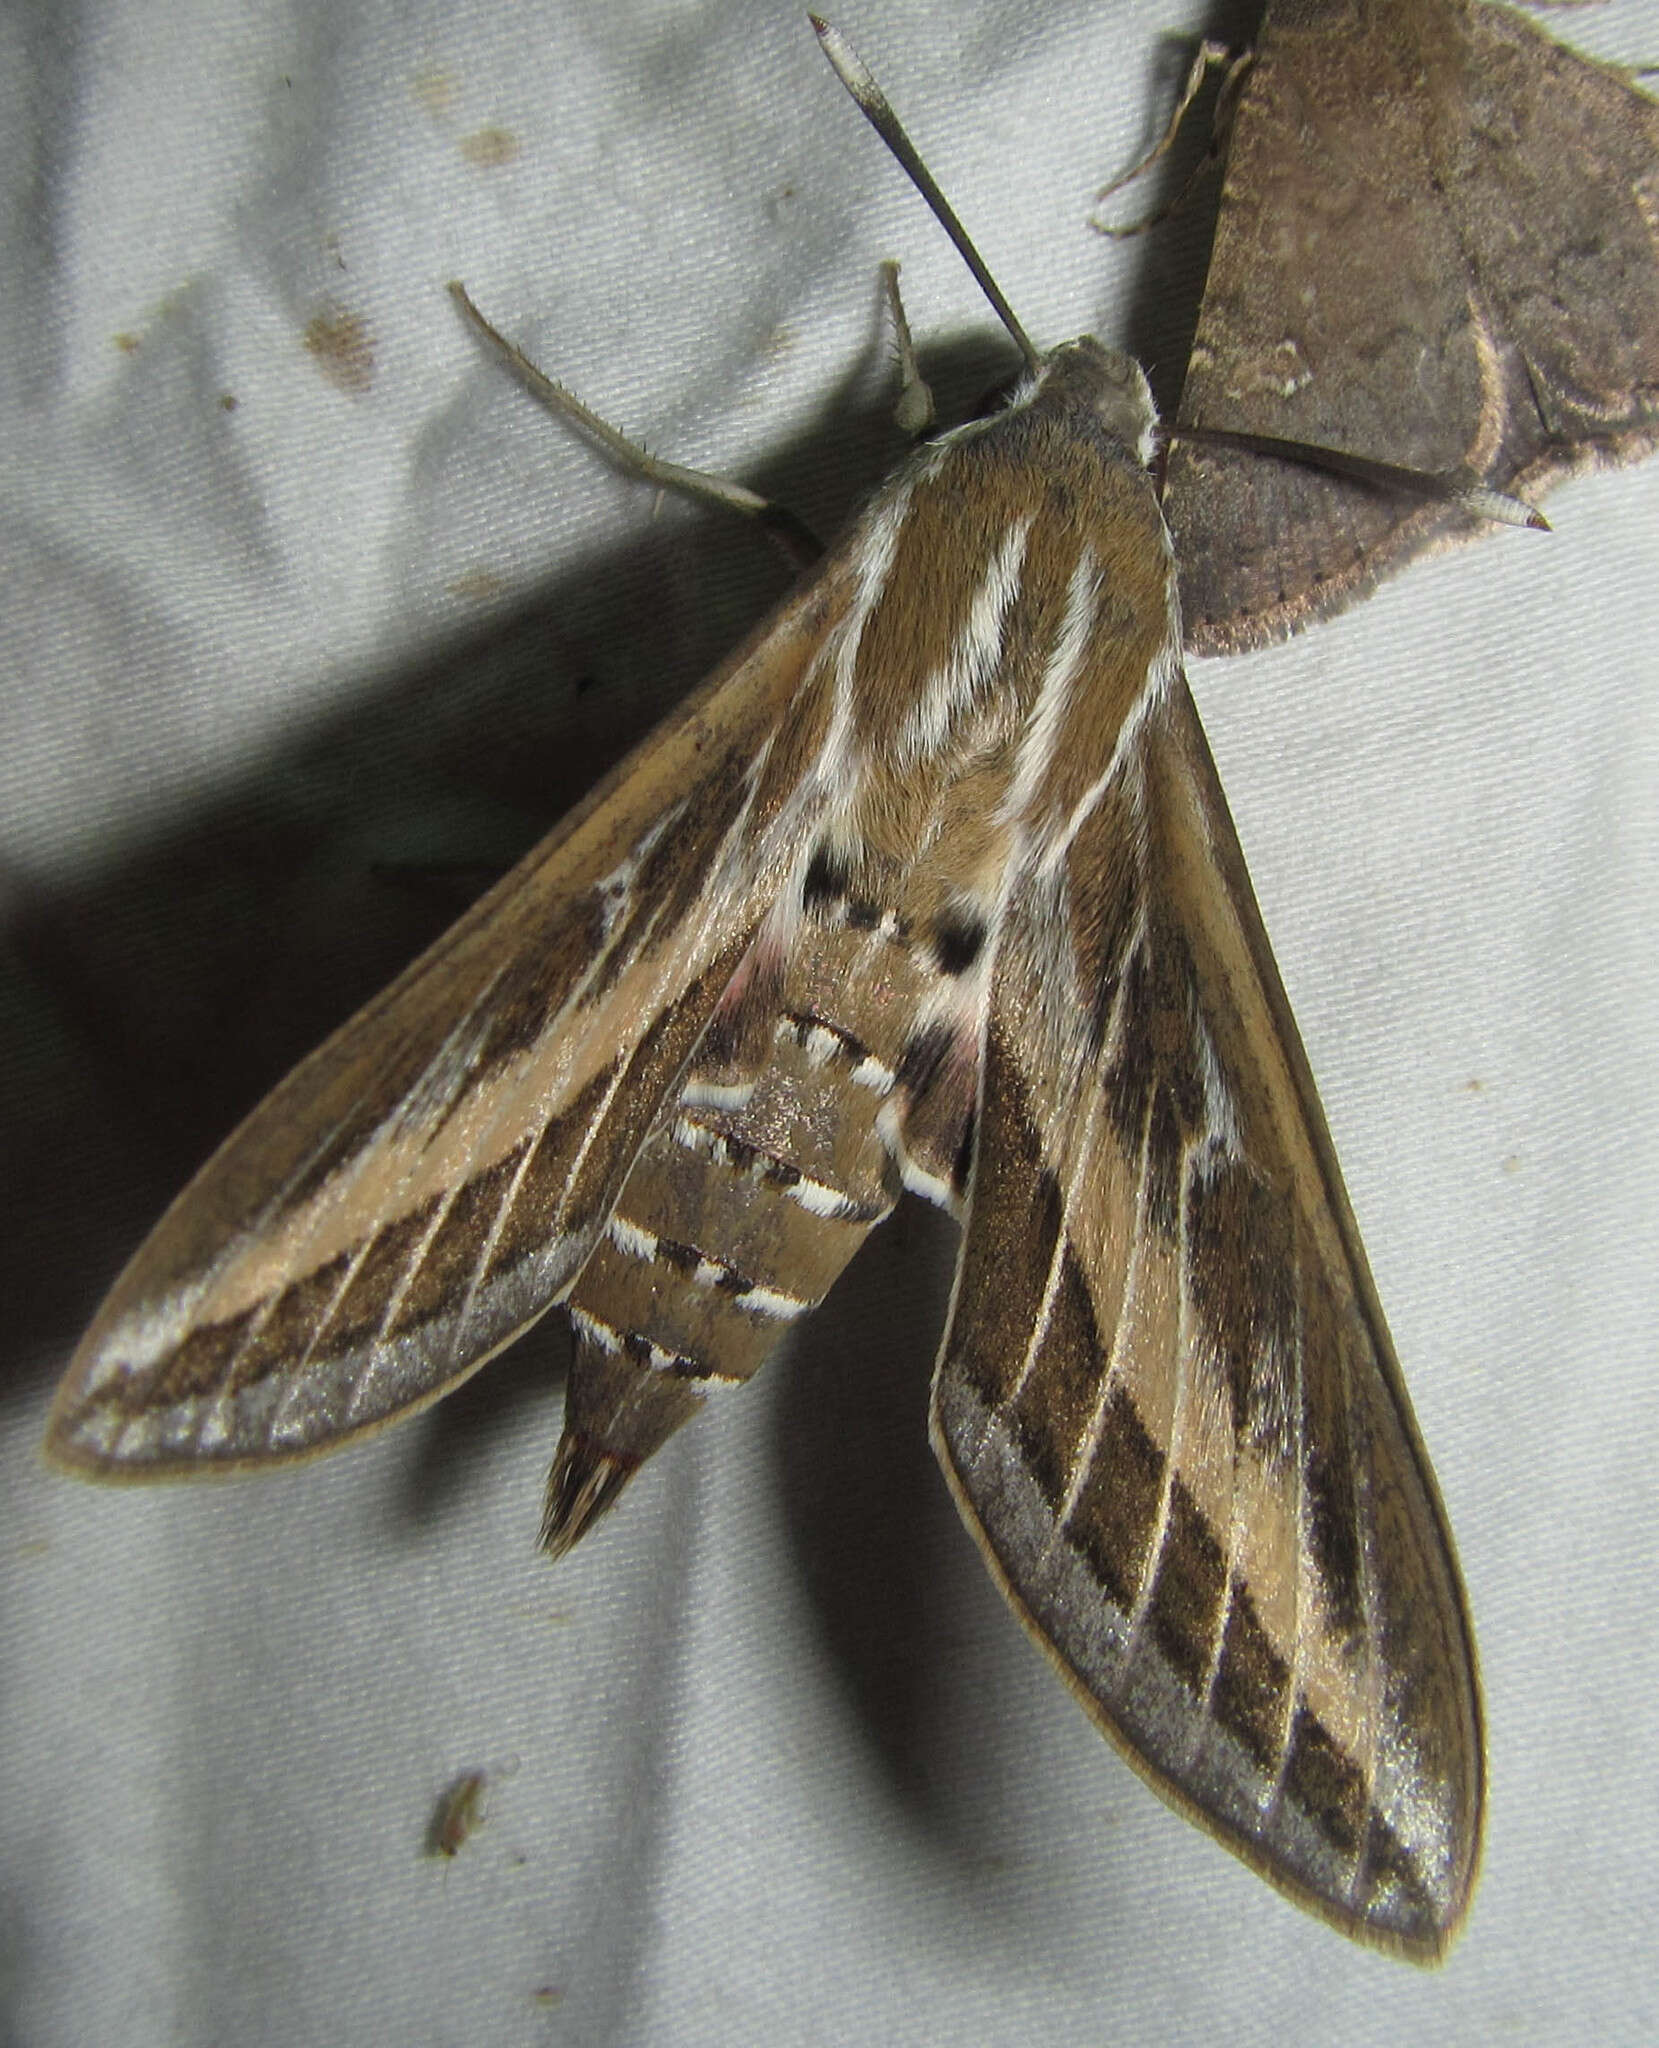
(1211, 56)
(790, 534)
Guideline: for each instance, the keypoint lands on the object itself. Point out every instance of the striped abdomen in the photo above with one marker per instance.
(760, 1179)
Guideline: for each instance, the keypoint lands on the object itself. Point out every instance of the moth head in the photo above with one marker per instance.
(1108, 384)
(1098, 381)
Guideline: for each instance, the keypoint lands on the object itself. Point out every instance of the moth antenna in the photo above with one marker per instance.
(874, 105)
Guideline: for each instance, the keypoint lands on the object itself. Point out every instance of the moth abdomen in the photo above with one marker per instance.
(753, 1190)
(803, 1112)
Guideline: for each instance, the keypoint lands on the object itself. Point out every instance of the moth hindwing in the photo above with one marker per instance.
(932, 886)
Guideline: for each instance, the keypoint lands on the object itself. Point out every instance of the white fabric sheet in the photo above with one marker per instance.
(771, 1763)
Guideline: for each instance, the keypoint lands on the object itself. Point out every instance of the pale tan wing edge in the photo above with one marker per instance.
(1167, 1400)
(424, 1185)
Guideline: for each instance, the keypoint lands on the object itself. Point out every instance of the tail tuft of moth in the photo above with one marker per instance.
(626, 1396)
(582, 1484)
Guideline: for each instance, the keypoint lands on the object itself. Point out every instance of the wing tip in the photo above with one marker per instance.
(1420, 1929)
(68, 1444)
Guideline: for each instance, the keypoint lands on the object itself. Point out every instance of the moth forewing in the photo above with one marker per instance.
(1167, 1399)
(427, 1182)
